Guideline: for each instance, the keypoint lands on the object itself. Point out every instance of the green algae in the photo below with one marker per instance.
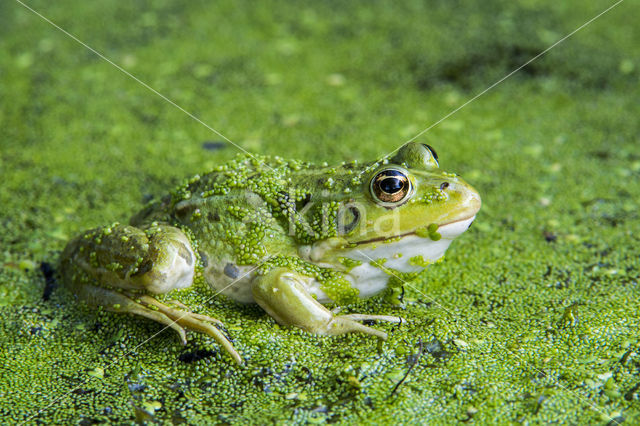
(533, 316)
(430, 231)
(349, 263)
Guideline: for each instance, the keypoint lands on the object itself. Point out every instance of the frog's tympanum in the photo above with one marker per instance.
(287, 235)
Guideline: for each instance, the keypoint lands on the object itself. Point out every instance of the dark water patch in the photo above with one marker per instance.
(50, 282)
(195, 355)
(213, 145)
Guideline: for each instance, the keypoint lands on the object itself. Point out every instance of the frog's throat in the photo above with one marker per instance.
(448, 230)
(410, 253)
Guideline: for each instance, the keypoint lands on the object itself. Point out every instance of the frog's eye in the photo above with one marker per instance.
(391, 187)
(433, 152)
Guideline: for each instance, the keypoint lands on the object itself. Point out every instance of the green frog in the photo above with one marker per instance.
(290, 236)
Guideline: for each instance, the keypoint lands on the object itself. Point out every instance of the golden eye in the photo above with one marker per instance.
(391, 187)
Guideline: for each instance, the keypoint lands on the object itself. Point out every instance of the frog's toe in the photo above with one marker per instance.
(349, 324)
(143, 311)
(191, 322)
(343, 324)
(193, 314)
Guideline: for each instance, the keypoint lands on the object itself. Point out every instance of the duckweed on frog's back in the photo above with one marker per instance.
(287, 235)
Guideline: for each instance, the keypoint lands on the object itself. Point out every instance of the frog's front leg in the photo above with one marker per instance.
(283, 295)
(120, 267)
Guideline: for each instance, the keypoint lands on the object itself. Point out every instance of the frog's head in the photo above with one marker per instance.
(409, 195)
(405, 215)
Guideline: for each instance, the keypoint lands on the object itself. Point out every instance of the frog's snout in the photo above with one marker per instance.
(469, 199)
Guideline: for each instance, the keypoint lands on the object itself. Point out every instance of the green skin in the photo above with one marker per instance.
(268, 231)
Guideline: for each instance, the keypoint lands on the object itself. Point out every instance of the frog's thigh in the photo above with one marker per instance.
(157, 259)
(282, 294)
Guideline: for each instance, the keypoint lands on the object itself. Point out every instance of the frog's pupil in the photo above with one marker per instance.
(392, 181)
(391, 185)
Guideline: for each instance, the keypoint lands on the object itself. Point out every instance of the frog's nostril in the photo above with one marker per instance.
(444, 185)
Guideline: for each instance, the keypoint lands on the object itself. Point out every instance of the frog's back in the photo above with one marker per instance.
(229, 216)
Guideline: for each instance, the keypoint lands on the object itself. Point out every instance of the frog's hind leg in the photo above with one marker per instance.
(121, 267)
(283, 295)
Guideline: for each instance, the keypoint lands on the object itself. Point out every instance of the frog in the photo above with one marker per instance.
(299, 240)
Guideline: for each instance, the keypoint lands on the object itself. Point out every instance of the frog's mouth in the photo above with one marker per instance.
(448, 231)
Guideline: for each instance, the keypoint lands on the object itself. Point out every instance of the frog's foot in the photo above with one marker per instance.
(191, 321)
(282, 294)
(148, 307)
